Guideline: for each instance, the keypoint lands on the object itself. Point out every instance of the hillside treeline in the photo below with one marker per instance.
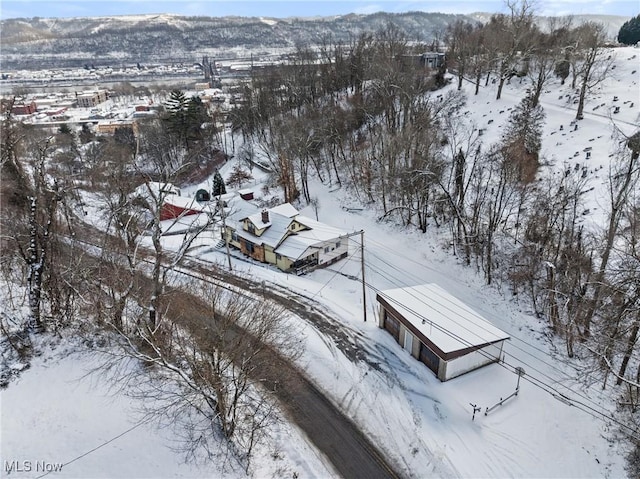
(37, 43)
(369, 116)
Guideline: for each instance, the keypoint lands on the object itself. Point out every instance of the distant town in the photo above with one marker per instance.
(109, 98)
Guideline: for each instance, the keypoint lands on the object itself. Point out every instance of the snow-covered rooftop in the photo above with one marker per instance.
(318, 231)
(295, 246)
(285, 209)
(189, 203)
(449, 323)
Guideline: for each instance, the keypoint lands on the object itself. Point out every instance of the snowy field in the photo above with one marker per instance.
(424, 426)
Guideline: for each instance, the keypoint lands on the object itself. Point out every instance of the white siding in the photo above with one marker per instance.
(471, 361)
(329, 250)
(408, 341)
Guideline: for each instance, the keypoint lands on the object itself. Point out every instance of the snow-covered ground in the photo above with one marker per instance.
(423, 425)
(63, 415)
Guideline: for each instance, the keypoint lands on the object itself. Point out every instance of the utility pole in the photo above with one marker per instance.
(364, 290)
(224, 230)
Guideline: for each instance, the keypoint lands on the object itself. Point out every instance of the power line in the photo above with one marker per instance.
(387, 276)
(592, 407)
(405, 273)
(135, 426)
(550, 389)
(593, 411)
(532, 346)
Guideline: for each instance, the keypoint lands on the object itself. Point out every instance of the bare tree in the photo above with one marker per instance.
(624, 176)
(480, 57)
(545, 52)
(595, 64)
(459, 40)
(512, 37)
(204, 367)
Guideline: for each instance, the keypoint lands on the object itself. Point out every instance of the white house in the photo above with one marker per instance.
(283, 237)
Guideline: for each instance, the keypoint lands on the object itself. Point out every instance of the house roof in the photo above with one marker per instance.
(278, 235)
(318, 231)
(304, 242)
(296, 246)
(239, 209)
(154, 188)
(278, 226)
(285, 209)
(446, 321)
(188, 203)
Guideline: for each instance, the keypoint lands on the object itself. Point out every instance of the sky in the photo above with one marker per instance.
(305, 8)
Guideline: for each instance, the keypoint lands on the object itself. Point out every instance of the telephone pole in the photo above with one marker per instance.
(224, 230)
(364, 288)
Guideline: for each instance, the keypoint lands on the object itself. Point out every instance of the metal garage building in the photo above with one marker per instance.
(439, 330)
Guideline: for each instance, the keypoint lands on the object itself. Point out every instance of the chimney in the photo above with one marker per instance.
(265, 216)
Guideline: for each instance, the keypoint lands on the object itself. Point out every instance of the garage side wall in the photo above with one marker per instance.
(455, 367)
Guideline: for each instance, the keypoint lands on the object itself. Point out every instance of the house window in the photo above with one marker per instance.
(249, 246)
(338, 244)
(326, 250)
(234, 236)
(278, 256)
(251, 229)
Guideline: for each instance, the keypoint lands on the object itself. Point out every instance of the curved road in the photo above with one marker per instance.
(349, 451)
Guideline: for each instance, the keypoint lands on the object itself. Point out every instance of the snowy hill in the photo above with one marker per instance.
(558, 426)
(35, 43)
(612, 23)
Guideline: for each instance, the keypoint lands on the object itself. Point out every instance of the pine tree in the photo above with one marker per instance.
(523, 139)
(177, 120)
(629, 33)
(525, 126)
(185, 117)
(219, 187)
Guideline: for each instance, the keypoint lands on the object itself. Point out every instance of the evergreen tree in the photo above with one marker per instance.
(196, 115)
(629, 33)
(185, 117)
(522, 139)
(64, 129)
(86, 135)
(562, 70)
(177, 120)
(525, 126)
(218, 185)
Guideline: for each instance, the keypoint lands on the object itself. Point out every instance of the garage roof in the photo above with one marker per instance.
(442, 318)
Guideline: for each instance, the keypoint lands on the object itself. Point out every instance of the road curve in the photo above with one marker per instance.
(335, 435)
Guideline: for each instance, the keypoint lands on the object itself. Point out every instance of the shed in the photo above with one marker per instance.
(246, 194)
(439, 330)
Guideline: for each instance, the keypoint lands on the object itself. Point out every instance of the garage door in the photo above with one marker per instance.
(392, 325)
(429, 358)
